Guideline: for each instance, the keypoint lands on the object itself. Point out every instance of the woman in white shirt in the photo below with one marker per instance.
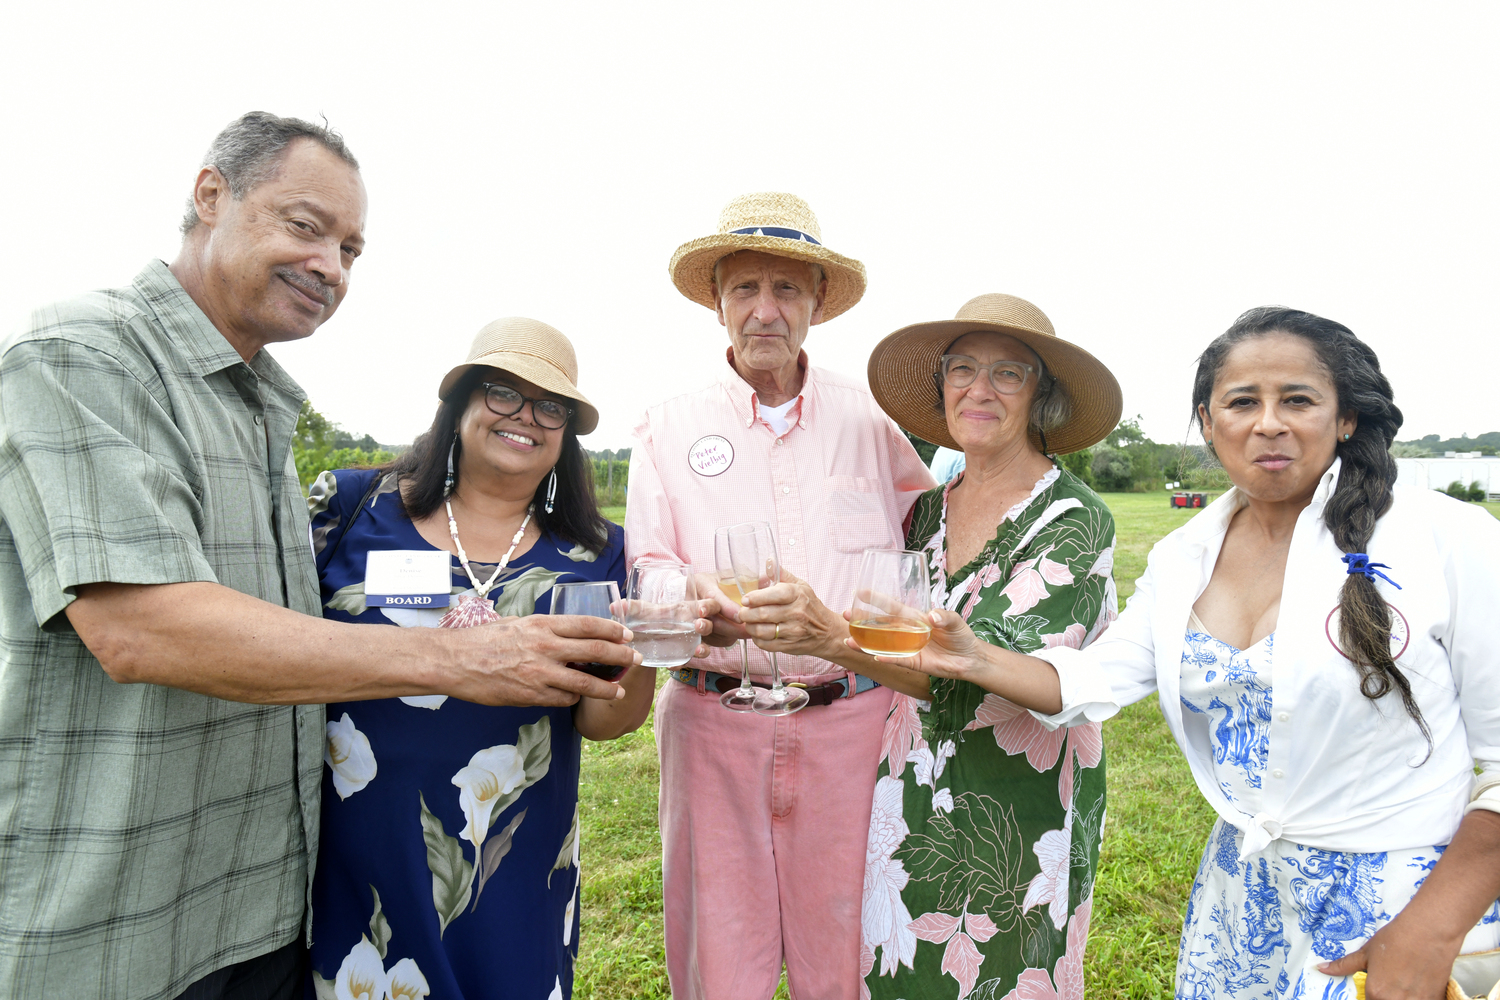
(1339, 751)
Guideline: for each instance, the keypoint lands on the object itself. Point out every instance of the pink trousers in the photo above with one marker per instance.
(764, 824)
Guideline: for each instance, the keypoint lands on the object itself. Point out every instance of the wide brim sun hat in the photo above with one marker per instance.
(534, 351)
(772, 222)
(902, 365)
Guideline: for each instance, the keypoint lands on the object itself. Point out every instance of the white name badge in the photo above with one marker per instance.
(711, 455)
(407, 578)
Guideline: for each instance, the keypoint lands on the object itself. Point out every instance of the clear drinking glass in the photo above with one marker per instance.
(891, 603)
(752, 552)
(596, 599)
(661, 609)
(742, 698)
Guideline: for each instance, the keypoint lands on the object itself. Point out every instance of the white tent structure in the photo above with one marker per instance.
(1437, 473)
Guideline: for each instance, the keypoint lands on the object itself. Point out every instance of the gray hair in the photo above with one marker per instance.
(818, 276)
(250, 149)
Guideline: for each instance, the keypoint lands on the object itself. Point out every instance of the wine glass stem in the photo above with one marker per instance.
(775, 674)
(744, 665)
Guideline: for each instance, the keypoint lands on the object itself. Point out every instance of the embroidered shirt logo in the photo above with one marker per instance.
(711, 455)
(1400, 631)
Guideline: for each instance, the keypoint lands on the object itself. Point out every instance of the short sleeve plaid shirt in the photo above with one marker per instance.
(148, 836)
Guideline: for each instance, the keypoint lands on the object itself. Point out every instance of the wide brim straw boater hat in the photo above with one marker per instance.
(902, 366)
(534, 351)
(775, 223)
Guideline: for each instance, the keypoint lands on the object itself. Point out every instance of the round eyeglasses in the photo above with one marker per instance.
(507, 402)
(1008, 377)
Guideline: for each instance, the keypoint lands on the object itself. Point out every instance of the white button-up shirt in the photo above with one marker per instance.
(1349, 773)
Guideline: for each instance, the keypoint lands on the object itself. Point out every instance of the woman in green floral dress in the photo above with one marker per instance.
(985, 830)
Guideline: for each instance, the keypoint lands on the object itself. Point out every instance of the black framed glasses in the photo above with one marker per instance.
(1008, 377)
(507, 402)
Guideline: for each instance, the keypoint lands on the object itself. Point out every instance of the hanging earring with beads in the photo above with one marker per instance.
(448, 482)
(551, 490)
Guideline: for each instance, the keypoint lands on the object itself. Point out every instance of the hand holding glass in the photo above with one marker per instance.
(661, 609)
(757, 565)
(891, 603)
(596, 599)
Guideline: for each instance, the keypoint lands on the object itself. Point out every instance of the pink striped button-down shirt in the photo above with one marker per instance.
(840, 480)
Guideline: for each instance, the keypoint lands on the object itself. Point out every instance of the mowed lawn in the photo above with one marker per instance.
(1155, 831)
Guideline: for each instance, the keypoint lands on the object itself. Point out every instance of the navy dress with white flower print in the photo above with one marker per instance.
(1258, 927)
(448, 862)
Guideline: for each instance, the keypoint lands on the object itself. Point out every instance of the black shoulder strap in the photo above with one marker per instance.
(375, 481)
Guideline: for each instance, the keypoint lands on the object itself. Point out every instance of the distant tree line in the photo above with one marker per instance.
(1130, 462)
(320, 444)
(611, 476)
(1432, 445)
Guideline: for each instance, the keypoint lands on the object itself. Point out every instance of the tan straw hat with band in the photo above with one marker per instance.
(534, 351)
(774, 223)
(902, 366)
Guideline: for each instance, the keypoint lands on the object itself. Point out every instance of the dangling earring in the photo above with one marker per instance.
(448, 482)
(551, 490)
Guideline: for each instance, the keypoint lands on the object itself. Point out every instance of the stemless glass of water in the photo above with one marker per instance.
(891, 603)
(661, 609)
(595, 599)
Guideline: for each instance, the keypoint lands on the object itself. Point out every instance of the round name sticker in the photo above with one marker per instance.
(1400, 632)
(711, 455)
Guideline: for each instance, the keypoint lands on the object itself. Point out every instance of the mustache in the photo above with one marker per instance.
(311, 286)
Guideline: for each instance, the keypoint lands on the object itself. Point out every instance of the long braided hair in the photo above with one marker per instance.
(1366, 476)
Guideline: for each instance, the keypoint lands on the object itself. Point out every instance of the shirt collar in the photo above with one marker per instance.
(744, 400)
(1215, 517)
(208, 350)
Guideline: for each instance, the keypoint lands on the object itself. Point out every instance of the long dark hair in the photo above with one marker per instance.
(1365, 478)
(424, 466)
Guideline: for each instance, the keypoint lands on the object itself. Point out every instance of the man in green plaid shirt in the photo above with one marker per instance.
(163, 662)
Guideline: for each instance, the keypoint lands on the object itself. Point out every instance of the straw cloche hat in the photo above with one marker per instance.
(534, 351)
(774, 223)
(902, 366)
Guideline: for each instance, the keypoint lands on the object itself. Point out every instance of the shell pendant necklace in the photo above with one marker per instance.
(477, 608)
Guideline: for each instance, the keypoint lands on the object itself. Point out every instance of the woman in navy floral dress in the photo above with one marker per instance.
(449, 857)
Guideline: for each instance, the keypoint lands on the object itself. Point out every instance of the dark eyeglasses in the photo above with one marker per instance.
(507, 402)
(1008, 377)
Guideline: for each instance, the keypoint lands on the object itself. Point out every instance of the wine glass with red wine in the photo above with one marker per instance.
(595, 599)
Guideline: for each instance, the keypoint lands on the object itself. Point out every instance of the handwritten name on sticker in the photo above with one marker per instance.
(1400, 632)
(711, 455)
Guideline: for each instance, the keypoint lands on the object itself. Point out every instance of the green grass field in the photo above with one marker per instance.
(1156, 828)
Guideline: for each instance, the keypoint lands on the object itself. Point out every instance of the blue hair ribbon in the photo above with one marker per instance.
(1359, 562)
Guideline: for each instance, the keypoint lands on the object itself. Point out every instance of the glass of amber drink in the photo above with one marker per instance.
(891, 603)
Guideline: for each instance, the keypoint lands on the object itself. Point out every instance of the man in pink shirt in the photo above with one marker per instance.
(764, 820)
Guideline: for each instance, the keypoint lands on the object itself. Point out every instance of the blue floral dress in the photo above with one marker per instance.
(448, 863)
(1259, 927)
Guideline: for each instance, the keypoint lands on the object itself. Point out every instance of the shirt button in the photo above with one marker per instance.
(791, 541)
(259, 420)
(1285, 717)
(786, 489)
(778, 442)
(1278, 773)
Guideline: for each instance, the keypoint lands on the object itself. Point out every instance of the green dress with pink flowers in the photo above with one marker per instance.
(985, 833)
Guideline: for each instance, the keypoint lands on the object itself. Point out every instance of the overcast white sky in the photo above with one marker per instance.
(1143, 172)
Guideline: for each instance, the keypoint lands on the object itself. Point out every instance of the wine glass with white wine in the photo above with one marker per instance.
(892, 599)
(752, 552)
(741, 698)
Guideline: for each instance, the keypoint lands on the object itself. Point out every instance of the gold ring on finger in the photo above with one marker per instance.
(777, 634)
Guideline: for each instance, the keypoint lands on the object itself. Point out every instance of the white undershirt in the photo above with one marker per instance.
(776, 415)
